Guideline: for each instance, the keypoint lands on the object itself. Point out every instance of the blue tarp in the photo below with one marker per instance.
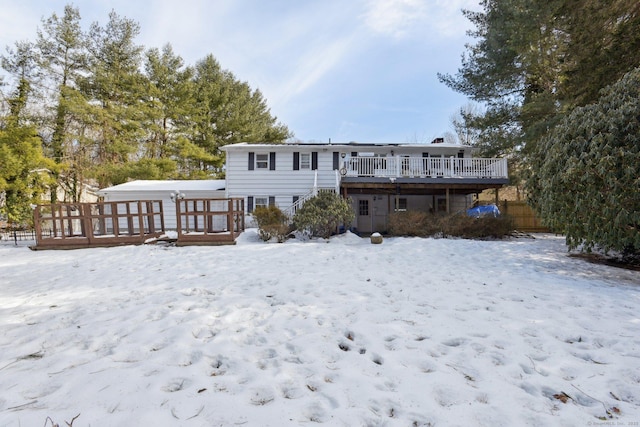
(486, 210)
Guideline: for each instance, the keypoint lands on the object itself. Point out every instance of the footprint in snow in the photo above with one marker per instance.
(262, 396)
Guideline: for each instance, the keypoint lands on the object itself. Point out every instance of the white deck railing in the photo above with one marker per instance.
(425, 167)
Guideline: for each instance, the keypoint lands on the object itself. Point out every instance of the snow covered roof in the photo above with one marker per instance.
(166, 185)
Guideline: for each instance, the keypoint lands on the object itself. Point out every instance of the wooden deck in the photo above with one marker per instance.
(105, 224)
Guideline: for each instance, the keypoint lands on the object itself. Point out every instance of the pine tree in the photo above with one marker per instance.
(228, 111)
(114, 90)
(62, 48)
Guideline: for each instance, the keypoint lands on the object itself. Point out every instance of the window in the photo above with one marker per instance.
(262, 161)
(442, 204)
(363, 207)
(401, 204)
(262, 201)
(254, 202)
(305, 161)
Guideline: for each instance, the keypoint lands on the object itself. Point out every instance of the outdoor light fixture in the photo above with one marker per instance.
(177, 195)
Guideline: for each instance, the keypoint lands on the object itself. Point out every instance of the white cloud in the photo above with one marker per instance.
(418, 18)
(394, 17)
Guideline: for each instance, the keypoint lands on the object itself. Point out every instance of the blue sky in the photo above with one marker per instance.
(349, 70)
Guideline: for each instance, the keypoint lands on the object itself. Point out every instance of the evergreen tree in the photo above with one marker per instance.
(114, 90)
(512, 70)
(62, 48)
(603, 45)
(24, 171)
(228, 111)
(20, 62)
(584, 180)
(99, 115)
(169, 100)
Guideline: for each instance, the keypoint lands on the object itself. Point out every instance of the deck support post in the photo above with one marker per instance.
(447, 201)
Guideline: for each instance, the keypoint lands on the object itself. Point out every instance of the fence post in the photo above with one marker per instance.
(230, 213)
(36, 224)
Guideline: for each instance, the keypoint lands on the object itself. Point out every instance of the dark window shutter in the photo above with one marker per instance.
(252, 161)
(296, 161)
(272, 161)
(314, 160)
(272, 201)
(250, 204)
(336, 160)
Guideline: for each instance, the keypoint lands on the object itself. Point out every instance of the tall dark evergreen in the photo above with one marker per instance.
(584, 174)
(538, 67)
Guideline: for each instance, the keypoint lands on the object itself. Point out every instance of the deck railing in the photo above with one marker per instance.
(426, 167)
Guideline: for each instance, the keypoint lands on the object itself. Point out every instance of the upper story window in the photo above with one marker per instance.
(305, 161)
(262, 161)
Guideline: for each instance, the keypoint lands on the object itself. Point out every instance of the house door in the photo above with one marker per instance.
(364, 217)
(371, 213)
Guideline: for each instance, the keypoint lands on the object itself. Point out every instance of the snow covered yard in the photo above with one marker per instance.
(413, 332)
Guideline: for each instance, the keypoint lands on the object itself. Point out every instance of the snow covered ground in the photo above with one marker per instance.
(412, 332)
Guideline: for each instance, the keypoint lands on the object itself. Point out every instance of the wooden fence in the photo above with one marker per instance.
(524, 218)
(79, 225)
(209, 221)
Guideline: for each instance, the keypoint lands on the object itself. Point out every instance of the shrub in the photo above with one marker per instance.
(422, 224)
(410, 223)
(272, 222)
(476, 228)
(321, 215)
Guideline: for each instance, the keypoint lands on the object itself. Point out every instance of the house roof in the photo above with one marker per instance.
(347, 146)
(165, 185)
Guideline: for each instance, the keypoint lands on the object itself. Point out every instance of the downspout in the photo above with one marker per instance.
(315, 183)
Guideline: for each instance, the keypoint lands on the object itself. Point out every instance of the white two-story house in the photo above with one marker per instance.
(378, 178)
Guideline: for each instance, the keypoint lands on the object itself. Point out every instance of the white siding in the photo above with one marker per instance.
(284, 182)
